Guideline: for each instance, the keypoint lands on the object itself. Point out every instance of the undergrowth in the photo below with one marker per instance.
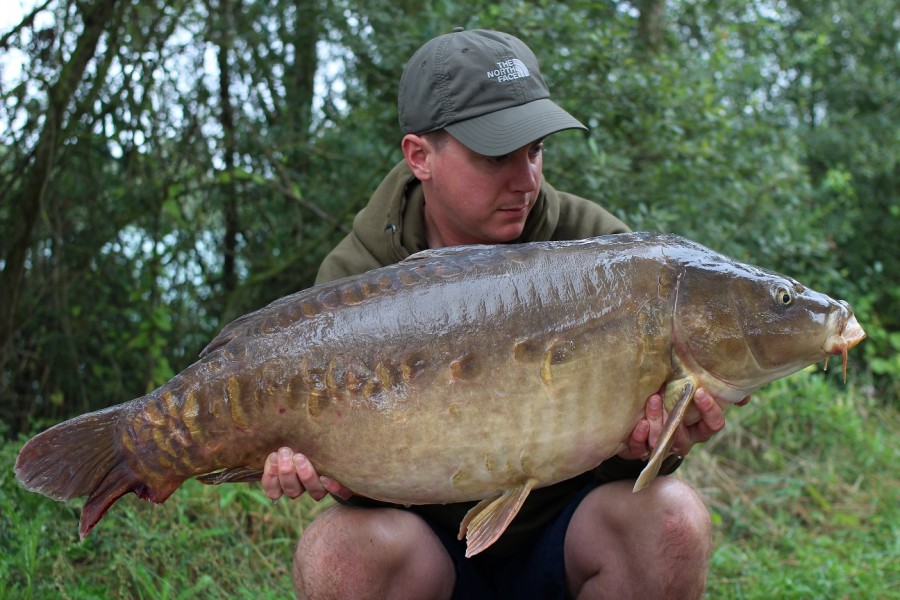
(205, 542)
(803, 488)
(804, 491)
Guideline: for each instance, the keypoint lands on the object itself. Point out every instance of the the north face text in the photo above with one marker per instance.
(508, 70)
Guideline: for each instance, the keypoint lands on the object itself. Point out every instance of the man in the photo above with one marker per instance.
(475, 110)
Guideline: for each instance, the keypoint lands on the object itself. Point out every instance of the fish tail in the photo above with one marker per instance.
(81, 457)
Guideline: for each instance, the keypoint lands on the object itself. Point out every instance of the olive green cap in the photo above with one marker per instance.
(484, 87)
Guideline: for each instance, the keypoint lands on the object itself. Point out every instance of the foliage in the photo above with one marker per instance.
(802, 486)
(212, 152)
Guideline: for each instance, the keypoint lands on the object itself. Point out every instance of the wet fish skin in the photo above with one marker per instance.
(460, 374)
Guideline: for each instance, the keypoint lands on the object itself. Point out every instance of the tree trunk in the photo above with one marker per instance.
(300, 79)
(30, 196)
(225, 43)
(650, 24)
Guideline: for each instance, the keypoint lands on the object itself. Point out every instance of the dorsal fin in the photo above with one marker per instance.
(448, 251)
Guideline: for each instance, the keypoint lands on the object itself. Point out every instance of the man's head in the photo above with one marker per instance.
(484, 88)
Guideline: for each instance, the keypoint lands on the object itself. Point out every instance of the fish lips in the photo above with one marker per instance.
(849, 334)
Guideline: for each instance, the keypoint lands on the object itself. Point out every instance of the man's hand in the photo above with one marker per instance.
(291, 474)
(646, 433)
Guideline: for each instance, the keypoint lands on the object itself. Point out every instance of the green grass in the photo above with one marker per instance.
(803, 486)
(804, 490)
(205, 542)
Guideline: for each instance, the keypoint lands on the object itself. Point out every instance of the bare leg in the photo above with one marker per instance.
(653, 544)
(361, 553)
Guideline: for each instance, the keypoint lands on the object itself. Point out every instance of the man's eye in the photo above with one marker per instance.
(497, 160)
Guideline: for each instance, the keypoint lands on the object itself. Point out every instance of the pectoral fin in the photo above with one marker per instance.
(488, 519)
(680, 392)
(235, 475)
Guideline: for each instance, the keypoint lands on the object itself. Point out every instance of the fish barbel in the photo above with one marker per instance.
(469, 373)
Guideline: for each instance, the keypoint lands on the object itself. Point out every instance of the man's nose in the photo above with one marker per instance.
(525, 173)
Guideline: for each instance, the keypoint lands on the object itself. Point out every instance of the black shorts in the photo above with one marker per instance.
(537, 571)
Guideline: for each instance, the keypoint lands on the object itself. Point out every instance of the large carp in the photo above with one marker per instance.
(468, 373)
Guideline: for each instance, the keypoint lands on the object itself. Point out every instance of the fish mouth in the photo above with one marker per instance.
(848, 335)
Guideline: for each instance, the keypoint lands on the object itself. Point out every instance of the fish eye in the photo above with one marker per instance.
(783, 296)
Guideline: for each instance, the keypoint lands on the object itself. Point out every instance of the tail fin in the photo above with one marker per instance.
(81, 457)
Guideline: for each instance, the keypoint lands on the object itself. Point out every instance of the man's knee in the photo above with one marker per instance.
(669, 509)
(684, 522)
(333, 549)
(653, 543)
(363, 552)
(683, 539)
(327, 535)
(323, 541)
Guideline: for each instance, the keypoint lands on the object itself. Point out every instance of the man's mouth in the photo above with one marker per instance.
(515, 210)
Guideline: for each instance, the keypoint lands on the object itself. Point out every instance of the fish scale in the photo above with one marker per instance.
(469, 373)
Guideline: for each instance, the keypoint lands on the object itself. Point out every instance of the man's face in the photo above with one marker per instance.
(475, 199)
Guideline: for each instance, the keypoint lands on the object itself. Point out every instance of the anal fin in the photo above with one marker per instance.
(488, 519)
(682, 392)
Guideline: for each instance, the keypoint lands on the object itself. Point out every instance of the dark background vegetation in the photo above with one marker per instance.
(166, 166)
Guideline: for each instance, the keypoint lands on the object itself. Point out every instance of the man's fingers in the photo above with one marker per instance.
(308, 477)
(271, 485)
(288, 478)
(638, 443)
(683, 441)
(655, 418)
(292, 474)
(711, 421)
(335, 488)
(711, 415)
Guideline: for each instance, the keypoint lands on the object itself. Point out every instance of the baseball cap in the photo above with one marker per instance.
(484, 87)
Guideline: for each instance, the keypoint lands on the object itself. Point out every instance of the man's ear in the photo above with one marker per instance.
(417, 152)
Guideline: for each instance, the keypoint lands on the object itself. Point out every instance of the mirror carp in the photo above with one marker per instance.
(467, 373)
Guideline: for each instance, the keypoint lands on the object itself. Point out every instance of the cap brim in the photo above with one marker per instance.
(512, 128)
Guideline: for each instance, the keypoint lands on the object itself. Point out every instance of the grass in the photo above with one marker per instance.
(803, 487)
(205, 542)
(804, 491)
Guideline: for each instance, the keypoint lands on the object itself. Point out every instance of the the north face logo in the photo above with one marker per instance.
(508, 70)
